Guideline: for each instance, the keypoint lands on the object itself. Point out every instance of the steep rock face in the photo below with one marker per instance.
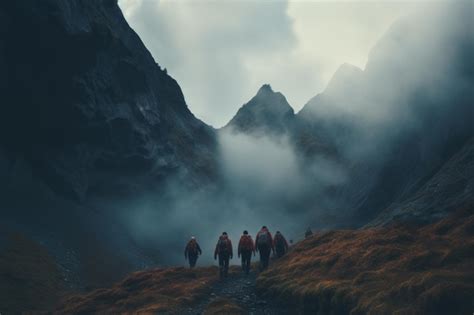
(83, 99)
(450, 188)
(87, 114)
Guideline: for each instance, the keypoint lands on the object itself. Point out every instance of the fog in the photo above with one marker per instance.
(415, 89)
(262, 183)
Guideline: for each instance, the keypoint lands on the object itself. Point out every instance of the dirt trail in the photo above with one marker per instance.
(239, 288)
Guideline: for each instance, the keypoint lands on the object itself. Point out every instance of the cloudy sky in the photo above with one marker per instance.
(221, 52)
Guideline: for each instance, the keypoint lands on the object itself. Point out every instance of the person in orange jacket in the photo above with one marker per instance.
(245, 249)
(264, 245)
(224, 251)
(192, 252)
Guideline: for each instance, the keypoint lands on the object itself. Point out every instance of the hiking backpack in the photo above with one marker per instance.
(247, 243)
(263, 238)
(223, 245)
(192, 248)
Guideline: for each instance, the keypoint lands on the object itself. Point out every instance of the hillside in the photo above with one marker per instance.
(400, 269)
(397, 269)
(151, 291)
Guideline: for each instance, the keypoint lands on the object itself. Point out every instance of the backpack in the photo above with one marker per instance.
(263, 238)
(246, 243)
(223, 245)
(192, 248)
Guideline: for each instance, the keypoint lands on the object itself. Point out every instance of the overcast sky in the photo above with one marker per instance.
(221, 52)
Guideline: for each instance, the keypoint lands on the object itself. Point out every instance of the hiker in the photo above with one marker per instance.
(245, 249)
(308, 233)
(280, 244)
(224, 251)
(192, 252)
(264, 245)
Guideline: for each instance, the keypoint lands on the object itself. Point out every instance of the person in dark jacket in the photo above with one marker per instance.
(245, 249)
(192, 252)
(224, 251)
(280, 244)
(264, 245)
(308, 233)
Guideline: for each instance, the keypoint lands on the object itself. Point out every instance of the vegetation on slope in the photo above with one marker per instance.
(397, 269)
(150, 291)
(224, 306)
(403, 268)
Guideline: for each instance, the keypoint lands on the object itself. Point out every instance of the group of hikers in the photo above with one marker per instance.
(264, 244)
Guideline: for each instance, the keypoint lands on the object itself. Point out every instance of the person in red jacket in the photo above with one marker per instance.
(280, 244)
(264, 245)
(224, 251)
(192, 251)
(245, 249)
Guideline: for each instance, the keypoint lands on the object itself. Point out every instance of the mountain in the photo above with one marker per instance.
(104, 171)
(402, 124)
(347, 79)
(84, 99)
(88, 121)
(267, 112)
(396, 128)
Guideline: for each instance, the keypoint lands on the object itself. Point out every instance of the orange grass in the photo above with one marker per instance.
(147, 292)
(397, 269)
(224, 306)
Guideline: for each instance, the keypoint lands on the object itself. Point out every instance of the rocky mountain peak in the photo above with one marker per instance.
(265, 89)
(267, 111)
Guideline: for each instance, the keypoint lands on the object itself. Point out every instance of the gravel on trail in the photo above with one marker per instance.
(240, 288)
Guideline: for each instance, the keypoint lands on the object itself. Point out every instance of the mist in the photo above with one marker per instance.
(261, 183)
(416, 86)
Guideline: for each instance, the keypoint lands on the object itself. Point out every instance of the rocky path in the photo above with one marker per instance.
(240, 288)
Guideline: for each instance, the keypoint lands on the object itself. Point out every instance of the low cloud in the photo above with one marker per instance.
(220, 52)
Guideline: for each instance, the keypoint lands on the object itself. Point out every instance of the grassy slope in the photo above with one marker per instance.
(224, 306)
(149, 291)
(397, 269)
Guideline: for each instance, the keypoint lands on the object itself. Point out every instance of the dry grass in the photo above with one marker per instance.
(398, 269)
(223, 306)
(146, 292)
(29, 278)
